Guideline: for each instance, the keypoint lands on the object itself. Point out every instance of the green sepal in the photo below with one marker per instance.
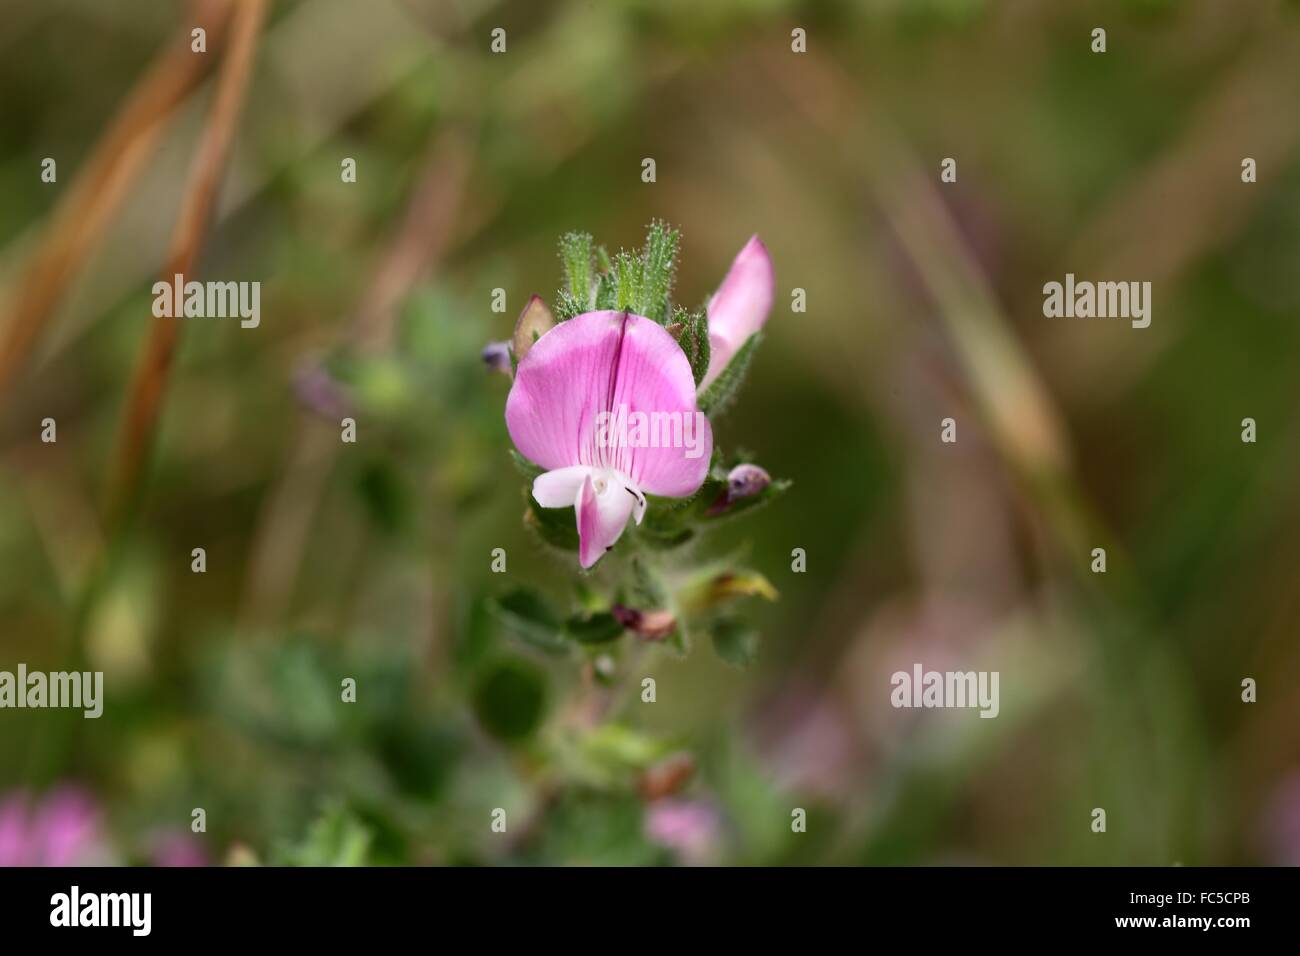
(566, 306)
(659, 268)
(776, 489)
(557, 527)
(577, 255)
(606, 291)
(525, 467)
(691, 330)
(629, 280)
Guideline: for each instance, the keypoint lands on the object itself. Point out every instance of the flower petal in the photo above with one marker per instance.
(624, 365)
(560, 386)
(656, 389)
(740, 306)
(603, 506)
(559, 487)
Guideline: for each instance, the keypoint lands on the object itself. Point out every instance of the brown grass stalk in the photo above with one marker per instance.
(149, 381)
(80, 217)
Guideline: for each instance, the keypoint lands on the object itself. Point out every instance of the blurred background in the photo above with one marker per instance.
(372, 561)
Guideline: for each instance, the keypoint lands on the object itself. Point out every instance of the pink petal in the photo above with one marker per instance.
(655, 379)
(559, 388)
(179, 849)
(67, 828)
(740, 306)
(614, 362)
(692, 828)
(603, 506)
(13, 832)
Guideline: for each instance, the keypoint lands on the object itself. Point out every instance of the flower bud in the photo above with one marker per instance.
(496, 356)
(652, 625)
(318, 391)
(745, 481)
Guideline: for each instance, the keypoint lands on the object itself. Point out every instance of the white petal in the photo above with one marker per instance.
(559, 487)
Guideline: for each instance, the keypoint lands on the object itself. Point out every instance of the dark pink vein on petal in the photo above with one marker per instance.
(603, 453)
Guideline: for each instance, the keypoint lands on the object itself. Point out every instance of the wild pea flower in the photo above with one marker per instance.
(602, 362)
(608, 401)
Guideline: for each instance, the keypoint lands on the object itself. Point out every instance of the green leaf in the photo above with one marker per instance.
(382, 385)
(594, 828)
(667, 522)
(383, 490)
(722, 391)
(666, 518)
(510, 698)
(558, 527)
(618, 747)
(666, 540)
(336, 838)
(593, 628)
(645, 589)
(735, 641)
(526, 615)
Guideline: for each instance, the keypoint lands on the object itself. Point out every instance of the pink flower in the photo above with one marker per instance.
(178, 849)
(578, 380)
(691, 828)
(740, 306)
(1280, 828)
(63, 829)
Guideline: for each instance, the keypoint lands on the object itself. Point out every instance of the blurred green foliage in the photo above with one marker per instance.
(478, 691)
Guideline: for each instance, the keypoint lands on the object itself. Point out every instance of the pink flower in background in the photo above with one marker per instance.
(178, 849)
(62, 829)
(690, 828)
(806, 742)
(1280, 824)
(611, 362)
(740, 306)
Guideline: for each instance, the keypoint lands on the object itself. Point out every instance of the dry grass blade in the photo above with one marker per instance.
(144, 403)
(79, 220)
